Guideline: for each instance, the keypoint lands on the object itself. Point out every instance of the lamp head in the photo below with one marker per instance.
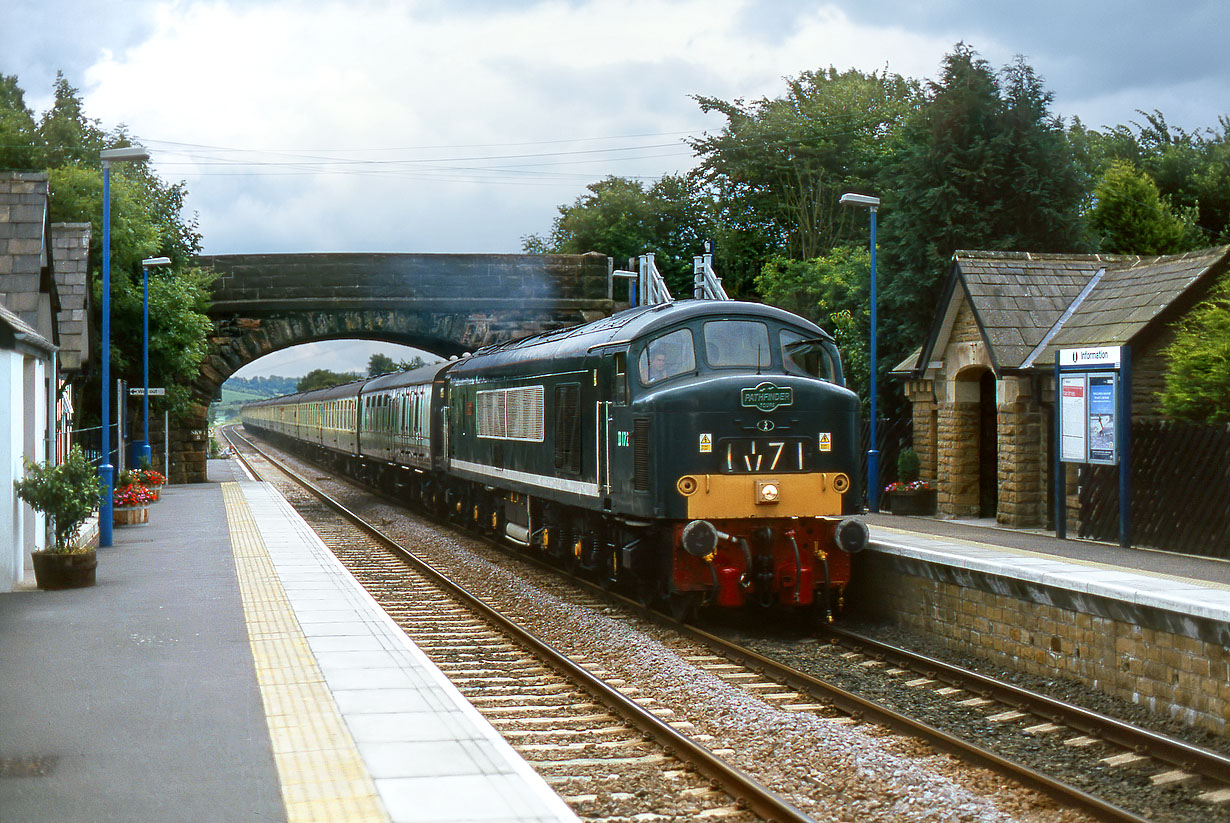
(151, 262)
(852, 199)
(131, 154)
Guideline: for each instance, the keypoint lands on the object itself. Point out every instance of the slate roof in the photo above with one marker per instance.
(17, 335)
(1131, 296)
(1029, 305)
(26, 285)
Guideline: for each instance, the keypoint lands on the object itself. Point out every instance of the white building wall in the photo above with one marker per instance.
(12, 429)
(35, 448)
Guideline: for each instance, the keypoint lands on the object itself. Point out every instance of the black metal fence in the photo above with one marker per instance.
(1180, 486)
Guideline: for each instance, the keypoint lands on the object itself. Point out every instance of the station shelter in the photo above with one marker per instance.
(981, 387)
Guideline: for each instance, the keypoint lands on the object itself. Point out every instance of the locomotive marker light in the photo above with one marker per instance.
(768, 491)
(133, 154)
(873, 454)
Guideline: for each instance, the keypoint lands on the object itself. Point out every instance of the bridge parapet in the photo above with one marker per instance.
(272, 283)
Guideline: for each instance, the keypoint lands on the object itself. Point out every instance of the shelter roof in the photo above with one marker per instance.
(1028, 305)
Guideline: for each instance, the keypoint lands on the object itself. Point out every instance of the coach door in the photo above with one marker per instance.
(612, 413)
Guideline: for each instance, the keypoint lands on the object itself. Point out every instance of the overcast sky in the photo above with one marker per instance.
(460, 125)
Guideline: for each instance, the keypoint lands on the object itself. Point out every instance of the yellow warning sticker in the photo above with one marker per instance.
(826, 441)
(706, 443)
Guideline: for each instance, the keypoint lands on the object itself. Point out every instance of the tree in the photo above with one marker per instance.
(983, 165)
(17, 130)
(1191, 170)
(379, 364)
(622, 219)
(324, 379)
(779, 166)
(1198, 374)
(1130, 216)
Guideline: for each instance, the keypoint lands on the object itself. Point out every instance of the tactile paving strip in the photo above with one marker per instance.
(322, 774)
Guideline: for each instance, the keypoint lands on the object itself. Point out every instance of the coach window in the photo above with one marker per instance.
(667, 356)
(737, 344)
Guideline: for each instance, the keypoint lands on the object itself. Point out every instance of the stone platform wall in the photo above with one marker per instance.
(1174, 665)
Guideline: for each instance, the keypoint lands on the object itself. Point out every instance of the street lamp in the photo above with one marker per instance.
(142, 450)
(873, 454)
(131, 154)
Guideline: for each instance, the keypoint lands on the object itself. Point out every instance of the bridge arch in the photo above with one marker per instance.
(444, 303)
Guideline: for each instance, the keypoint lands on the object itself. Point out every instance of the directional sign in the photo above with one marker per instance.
(152, 392)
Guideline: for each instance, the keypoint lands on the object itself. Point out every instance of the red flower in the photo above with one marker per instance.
(132, 494)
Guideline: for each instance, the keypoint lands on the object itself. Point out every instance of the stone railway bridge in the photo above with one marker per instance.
(443, 303)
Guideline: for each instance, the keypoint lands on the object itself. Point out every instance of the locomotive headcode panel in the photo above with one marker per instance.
(699, 452)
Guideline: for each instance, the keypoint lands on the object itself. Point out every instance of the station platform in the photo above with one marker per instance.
(1131, 579)
(227, 667)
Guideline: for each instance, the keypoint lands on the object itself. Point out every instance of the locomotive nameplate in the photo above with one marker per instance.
(722, 496)
(766, 397)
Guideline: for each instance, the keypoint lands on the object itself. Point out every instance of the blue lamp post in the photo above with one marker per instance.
(873, 453)
(142, 451)
(106, 471)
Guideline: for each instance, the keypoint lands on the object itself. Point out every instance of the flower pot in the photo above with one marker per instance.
(918, 502)
(55, 570)
(156, 491)
(130, 515)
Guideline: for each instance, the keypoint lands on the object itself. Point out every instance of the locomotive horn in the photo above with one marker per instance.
(852, 535)
(700, 538)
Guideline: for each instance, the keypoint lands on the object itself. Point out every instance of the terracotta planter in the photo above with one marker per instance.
(54, 570)
(130, 515)
(919, 503)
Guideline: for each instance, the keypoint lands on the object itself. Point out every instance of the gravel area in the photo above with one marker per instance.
(825, 766)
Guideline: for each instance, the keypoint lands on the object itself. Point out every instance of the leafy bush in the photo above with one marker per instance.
(908, 466)
(68, 493)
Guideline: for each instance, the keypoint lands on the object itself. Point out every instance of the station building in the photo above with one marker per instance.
(981, 387)
(44, 345)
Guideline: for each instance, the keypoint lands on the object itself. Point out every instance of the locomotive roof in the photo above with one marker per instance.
(632, 324)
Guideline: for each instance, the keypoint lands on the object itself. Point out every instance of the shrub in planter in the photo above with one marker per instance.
(67, 493)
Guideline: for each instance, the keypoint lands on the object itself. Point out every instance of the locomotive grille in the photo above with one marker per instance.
(640, 455)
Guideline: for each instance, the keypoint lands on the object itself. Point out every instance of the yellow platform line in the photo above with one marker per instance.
(323, 777)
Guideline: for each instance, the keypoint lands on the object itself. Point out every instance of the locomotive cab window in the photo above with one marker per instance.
(810, 356)
(737, 344)
(667, 356)
(619, 391)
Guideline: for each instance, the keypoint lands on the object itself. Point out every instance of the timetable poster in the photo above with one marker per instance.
(1073, 419)
(1102, 419)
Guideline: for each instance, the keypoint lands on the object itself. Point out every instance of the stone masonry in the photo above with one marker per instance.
(1171, 667)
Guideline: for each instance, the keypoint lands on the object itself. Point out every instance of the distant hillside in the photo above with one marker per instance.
(239, 390)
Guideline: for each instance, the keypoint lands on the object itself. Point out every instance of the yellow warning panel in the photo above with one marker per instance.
(321, 772)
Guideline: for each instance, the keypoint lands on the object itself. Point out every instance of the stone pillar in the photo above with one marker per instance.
(921, 394)
(190, 445)
(1022, 454)
(957, 434)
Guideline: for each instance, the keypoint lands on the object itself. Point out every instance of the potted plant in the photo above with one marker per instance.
(67, 493)
(910, 495)
(130, 501)
(151, 480)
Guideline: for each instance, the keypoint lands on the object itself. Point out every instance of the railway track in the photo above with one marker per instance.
(611, 753)
(794, 692)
